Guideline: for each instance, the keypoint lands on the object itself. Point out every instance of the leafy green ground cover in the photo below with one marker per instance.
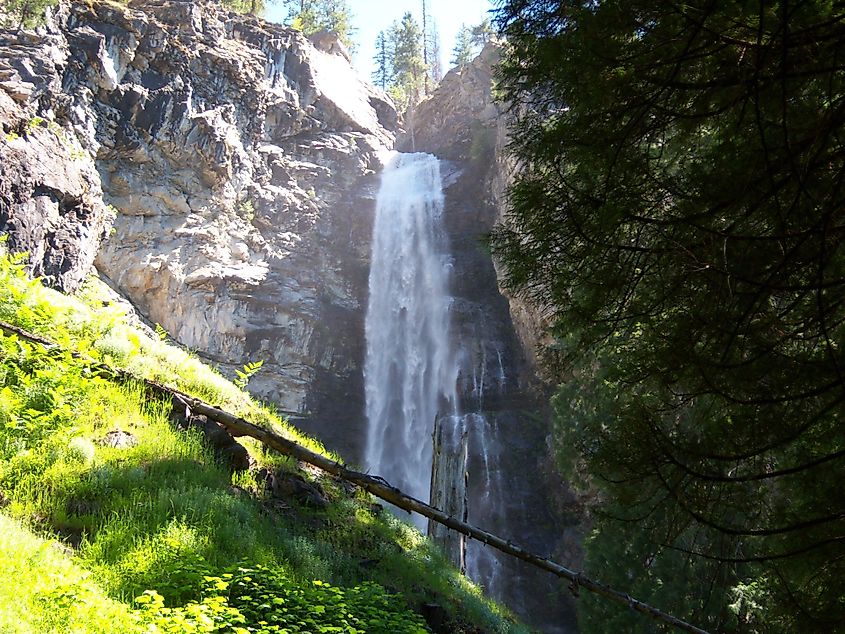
(156, 536)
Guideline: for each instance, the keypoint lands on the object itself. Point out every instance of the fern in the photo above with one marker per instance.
(161, 333)
(248, 371)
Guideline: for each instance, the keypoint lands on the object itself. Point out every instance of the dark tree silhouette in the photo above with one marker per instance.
(680, 213)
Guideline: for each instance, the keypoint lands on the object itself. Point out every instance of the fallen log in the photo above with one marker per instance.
(377, 486)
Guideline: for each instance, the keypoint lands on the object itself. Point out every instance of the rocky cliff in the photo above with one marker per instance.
(237, 161)
(462, 122)
(221, 173)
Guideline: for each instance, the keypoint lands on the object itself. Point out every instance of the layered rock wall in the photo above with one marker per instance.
(240, 160)
(51, 202)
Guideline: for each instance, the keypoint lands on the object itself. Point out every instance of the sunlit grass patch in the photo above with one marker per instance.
(45, 592)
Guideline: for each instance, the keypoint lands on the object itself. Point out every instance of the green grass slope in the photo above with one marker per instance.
(153, 535)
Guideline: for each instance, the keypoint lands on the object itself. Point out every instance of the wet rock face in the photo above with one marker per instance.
(241, 160)
(501, 391)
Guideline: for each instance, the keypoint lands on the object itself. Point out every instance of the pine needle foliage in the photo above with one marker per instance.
(679, 214)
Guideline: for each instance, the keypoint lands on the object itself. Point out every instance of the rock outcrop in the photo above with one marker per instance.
(51, 203)
(240, 159)
(459, 121)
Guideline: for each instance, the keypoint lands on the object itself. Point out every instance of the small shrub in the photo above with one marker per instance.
(246, 210)
(269, 599)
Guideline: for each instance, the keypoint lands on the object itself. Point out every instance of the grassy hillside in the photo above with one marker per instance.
(115, 520)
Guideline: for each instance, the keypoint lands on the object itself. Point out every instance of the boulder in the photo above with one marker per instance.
(292, 486)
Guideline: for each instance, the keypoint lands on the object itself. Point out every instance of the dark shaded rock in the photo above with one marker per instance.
(288, 485)
(239, 492)
(226, 449)
(235, 456)
(375, 508)
(263, 478)
(81, 506)
(435, 617)
(51, 205)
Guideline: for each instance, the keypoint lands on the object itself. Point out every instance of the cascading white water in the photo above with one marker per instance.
(410, 371)
(443, 365)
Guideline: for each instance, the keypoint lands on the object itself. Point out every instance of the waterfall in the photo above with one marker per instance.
(448, 417)
(410, 371)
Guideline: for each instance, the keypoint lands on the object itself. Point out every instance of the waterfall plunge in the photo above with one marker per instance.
(434, 358)
(410, 371)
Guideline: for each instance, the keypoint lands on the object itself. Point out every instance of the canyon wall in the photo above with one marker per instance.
(221, 172)
(222, 169)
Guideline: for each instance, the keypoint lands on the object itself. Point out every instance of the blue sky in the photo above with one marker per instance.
(371, 16)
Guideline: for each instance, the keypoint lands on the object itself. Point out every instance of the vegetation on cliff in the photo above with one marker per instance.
(679, 212)
(407, 59)
(116, 520)
(313, 16)
(31, 13)
(24, 13)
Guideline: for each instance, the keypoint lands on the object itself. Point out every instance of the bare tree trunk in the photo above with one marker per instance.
(449, 486)
(425, 45)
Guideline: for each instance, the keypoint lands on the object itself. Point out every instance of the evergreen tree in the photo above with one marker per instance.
(679, 213)
(383, 72)
(481, 33)
(409, 70)
(313, 16)
(426, 21)
(25, 13)
(462, 54)
(254, 7)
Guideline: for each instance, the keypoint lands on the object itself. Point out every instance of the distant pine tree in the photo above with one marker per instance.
(481, 33)
(382, 74)
(24, 13)
(463, 52)
(408, 80)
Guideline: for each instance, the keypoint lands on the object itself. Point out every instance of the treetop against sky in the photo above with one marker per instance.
(371, 16)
